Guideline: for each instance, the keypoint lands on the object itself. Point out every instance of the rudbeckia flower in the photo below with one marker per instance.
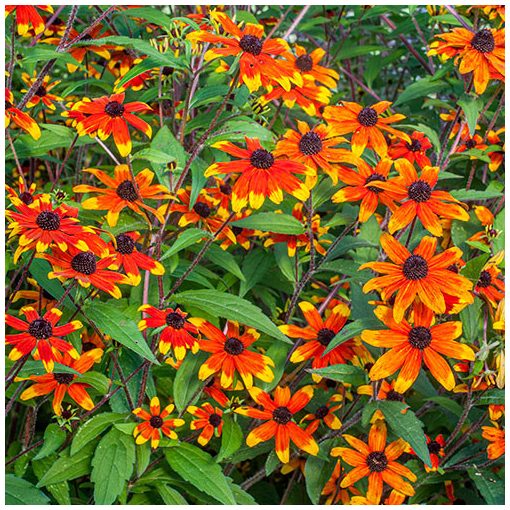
(366, 124)
(21, 119)
(414, 151)
(27, 16)
(490, 283)
(121, 192)
(377, 462)
(177, 330)
(419, 199)
(314, 147)
(214, 390)
(41, 334)
(420, 274)
(487, 219)
(498, 156)
(318, 334)
(64, 383)
(360, 186)
(131, 260)
(257, 65)
(333, 491)
(110, 115)
(155, 422)
(25, 193)
(412, 344)
(38, 296)
(496, 438)
(325, 414)
(210, 422)
(230, 354)
(262, 175)
(436, 451)
(482, 53)
(280, 424)
(43, 92)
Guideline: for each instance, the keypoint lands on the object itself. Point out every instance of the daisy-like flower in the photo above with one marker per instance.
(262, 175)
(43, 93)
(377, 462)
(411, 344)
(131, 260)
(360, 187)
(471, 142)
(314, 147)
(486, 218)
(257, 65)
(210, 422)
(496, 411)
(121, 192)
(420, 274)
(40, 335)
(490, 283)
(386, 390)
(154, 423)
(482, 53)
(64, 383)
(333, 491)
(21, 119)
(496, 437)
(498, 156)
(214, 390)
(86, 268)
(40, 226)
(280, 424)
(419, 199)
(24, 193)
(414, 151)
(436, 451)
(366, 124)
(27, 16)
(230, 354)
(109, 115)
(38, 296)
(325, 414)
(177, 330)
(318, 334)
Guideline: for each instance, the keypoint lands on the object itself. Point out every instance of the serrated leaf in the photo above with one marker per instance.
(231, 438)
(494, 396)
(54, 438)
(343, 373)
(22, 492)
(491, 488)
(186, 382)
(474, 194)
(154, 156)
(272, 222)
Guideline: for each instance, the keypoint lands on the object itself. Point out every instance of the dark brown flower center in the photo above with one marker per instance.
(66, 414)
(125, 244)
(63, 378)
(483, 41)
(41, 91)
(40, 329)
(434, 447)
(414, 146)
(304, 63)
(282, 415)
(127, 191)
(48, 220)
(87, 346)
(215, 419)
(226, 188)
(202, 209)
(331, 384)
(26, 198)
(84, 263)
(453, 268)
(310, 143)
(420, 337)
(260, 158)
(415, 268)
(114, 109)
(394, 396)
(167, 70)
(175, 320)
(237, 230)
(419, 191)
(470, 144)
(233, 346)
(251, 44)
(156, 421)
(368, 117)
(485, 279)
(372, 178)
(321, 412)
(325, 335)
(377, 462)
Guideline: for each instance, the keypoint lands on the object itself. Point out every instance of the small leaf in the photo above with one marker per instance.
(351, 330)
(420, 88)
(471, 106)
(22, 492)
(225, 260)
(186, 382)
(185, 239)
(170, 496)
(343, 373)
(54, 438)
(231, 438)
(98, 381)
(272, 222)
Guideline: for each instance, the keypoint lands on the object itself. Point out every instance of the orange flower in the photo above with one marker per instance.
(262, 175)
(27, 15)
(25, 193)
(413, 151)
(230, 354)
(496, 411)
(109, 115)
(21, 119)
(41, 334)
(486, 218)
(360, 187)
(62, 383)
(154, 423)
(280, 425)
(421, 274)
(366, 124)
(377, 461)
(214, 390)
(386, 390)
(210, 421)
(38, 296)
(436, 451)
(314, 147)
(497, 157)
(496, 436)
(489, 284)
(410, 345)
(43, 92)
(121, 192)
(482, 53)
(257, 65)
(325, 414)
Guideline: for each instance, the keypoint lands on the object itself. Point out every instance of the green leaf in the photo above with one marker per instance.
(471, 106)
(60, 491)
(186, 382)
(272, 222)
(474, 194)
(494, 396)
(237, 130)
(209, 95)
(221, 304)
(278, 352)
(491, 488)
(146, 64)
(187, 238)
(22, 492)
(154, 156)
(285, 263)
(39, 268)
(272, 462)
(255, 266)
(93, 428)
(169, 495)
(164, 141)
(111, 321)
(471, 317)
(344, 373)
(198, 468)
(420, 88)
(225, 260)
(112, 466)
(351, 330)
(54, 438)
(231, 438)
(97, 380)
(318, 472)
(151, 15)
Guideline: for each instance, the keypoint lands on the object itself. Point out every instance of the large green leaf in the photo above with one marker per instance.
(318, 472)
(54, 438)
(420, 88)
(186, 382)
(344, 373)
(187, 238)
(272, 222)
(22, 492)
(490, 486)
(351, 330)
(231, 438)
(471, 106)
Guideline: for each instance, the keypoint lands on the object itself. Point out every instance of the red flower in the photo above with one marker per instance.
(414, 151)
(21, 119)
(210, 421)
(27, 15)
